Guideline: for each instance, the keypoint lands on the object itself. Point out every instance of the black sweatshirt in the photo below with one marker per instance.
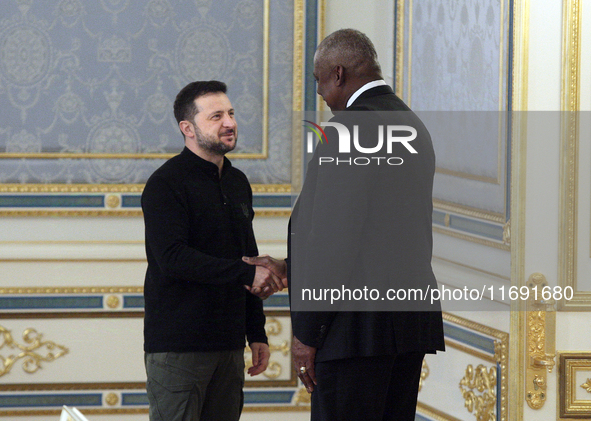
(198, 226)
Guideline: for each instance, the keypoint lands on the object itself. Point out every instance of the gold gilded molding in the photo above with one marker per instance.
(473, 239)
(28, 353)
(501, 357)
(569, 406)
(424, 374)
(541, 325)
(519, 104)
(587, 385)
(302, 397)
(113, 201)
(72, 290)
(569, 159)
(114, 188)
(113, 301)
(445, 206)
(298, 94)
(507, 233)
(399, 49)
(478, 389)
(112, 399)
(433, 413)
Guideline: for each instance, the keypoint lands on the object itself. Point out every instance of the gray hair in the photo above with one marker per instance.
(351, 49)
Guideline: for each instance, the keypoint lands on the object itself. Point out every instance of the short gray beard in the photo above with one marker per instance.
(213, 145)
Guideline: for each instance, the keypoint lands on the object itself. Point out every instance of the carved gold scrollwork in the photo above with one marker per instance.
(478, 388)
(31, 359)
(541, 324)
(587, 385)
(424, 374)
(302, 397)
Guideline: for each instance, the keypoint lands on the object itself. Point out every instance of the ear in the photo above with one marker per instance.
(339, 75)
(187, 128)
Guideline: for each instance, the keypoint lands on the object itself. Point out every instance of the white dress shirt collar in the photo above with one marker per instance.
(364, 88)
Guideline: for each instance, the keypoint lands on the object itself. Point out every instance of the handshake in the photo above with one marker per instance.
(270, 275)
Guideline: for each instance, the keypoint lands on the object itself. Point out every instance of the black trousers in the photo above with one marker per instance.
(380, 388)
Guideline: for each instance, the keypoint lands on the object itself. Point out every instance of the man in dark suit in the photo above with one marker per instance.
(362, 223)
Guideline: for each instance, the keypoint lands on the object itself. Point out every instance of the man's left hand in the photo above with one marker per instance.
(303, 359)
(260, 358)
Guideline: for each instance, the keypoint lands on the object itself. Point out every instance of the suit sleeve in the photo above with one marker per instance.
(333, 207)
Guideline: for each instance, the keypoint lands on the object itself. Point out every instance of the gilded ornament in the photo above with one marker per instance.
(424, 374)
(113, 301)
(112, 399)
(478, 389)
(302, 397)
(587, 385)
(31, 359)
(507, 232)
(113, 201)
(273, 327)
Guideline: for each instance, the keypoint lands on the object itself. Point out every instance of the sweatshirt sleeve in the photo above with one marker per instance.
(167, 243)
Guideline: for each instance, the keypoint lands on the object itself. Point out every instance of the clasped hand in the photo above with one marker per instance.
(270, 275)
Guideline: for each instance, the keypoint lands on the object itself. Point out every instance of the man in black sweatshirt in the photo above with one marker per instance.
(198, 223)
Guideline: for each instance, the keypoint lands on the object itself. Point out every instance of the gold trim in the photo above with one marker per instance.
(496, 275)
(302, 397)
(114, 213)
(469, 176)
(433, 413)
(482, 402)
(31, 360)
(424, 374)
(470, 351)
(468, 211)
(409, 85)
(112, 399)
(72, 290)
(114, 188)
(20, 387)
(587, 385)
(298, 94)
(568, 405)
(517, 202)
(472, 238)
(569, 163)
(501, 356)
(140, 411)
(400, 48)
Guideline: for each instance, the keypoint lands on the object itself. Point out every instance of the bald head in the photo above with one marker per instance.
(352, 50)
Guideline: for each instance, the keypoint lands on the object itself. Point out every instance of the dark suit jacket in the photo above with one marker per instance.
(367, 225)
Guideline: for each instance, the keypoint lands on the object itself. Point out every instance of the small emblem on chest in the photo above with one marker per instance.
(245, 211)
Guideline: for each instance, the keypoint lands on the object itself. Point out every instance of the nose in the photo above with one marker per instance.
(229, 121)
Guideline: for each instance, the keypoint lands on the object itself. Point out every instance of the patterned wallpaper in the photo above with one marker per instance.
(99, 77)
(456, 75)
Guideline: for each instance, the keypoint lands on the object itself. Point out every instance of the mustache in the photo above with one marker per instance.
(227, 132)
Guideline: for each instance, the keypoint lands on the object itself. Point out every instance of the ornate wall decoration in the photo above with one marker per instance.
(32, 353)
(424, 374)
(453, 68)
(97, 79)
(478, 388)
(573, 396)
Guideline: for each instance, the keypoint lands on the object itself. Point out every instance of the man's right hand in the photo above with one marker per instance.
(278, 267)
(265, 283)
